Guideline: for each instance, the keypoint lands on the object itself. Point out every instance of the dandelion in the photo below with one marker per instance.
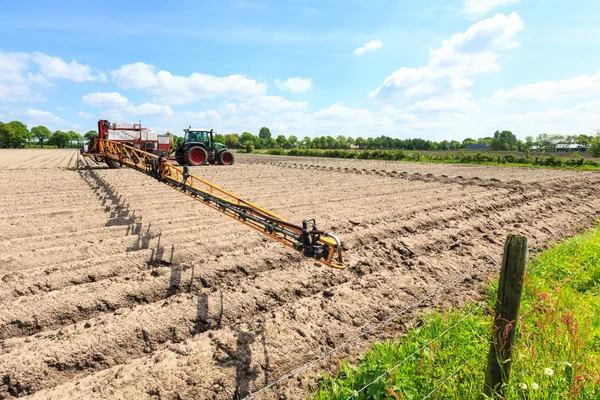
(523, 386)
(549, 371)
(534, 386)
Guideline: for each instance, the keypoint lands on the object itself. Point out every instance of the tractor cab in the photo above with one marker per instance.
(199, 148)
(198, 136)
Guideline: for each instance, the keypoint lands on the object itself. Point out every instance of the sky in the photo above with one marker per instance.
(413, 68)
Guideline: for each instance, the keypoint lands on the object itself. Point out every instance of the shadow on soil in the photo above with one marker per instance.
(240, 358)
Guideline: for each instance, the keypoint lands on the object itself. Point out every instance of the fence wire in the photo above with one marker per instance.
(423, 299)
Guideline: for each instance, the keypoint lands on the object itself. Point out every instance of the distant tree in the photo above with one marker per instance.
(220, 138)
(177, 140)
(360, 142)
(231, 141)
(247, 137)
(498, 145)
(74, 138)
(18, 133)
(307, 142)
(292, 141)
(467, 142)
(60, 139)
(528, 143)
(351, 142)
(281, 141)
(41, 133)
(5, 135)
(90, 134)
(264, 133)
(595, 145)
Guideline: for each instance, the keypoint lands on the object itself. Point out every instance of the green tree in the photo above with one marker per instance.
(90, 134)
(293, 141)
(595, 145)
(41, 133)
(307, 142)
(18, 134)
(5, 135)
(467, 142)
(281, 141)
(360, 142)
(60, 139)
(247, 137)
(528, 143)
(231, 141)
(220, 138)
(264, 133)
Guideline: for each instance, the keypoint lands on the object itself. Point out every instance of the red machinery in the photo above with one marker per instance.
(135, 136)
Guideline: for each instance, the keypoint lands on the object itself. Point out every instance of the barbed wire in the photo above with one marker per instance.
(356, 392)
(581, 268)
(387, 321)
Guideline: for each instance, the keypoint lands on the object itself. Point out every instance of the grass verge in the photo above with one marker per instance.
(481, 158)
(557, 353)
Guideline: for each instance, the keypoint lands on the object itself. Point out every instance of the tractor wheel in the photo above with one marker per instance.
(196, 156)
(179, 159)
(112, 163)
(226, 158)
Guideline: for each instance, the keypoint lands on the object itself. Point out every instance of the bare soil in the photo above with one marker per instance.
(113, 285)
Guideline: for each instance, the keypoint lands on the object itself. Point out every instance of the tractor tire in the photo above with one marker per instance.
(113, 164)
(226, 158)
(179, 159)
(196, 156)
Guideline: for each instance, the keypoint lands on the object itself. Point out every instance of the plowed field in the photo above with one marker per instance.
(113, 285)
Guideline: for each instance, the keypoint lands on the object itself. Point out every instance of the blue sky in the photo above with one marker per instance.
(430, 69)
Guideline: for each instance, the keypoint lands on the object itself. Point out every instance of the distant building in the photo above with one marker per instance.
(570, 147)
(484, 146)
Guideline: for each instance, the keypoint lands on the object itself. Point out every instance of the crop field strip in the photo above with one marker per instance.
(116, 285)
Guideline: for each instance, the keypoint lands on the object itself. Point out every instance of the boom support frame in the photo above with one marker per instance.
(306, 239)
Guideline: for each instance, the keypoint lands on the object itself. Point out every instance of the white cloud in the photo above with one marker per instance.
(150, 109)
(173, 89)
(578, 86)
(480, 7)
(34, 117)
(23, 74)
(370, 46)
(453, 65)
(294, 85)
(271, 104)
(582, 118)
(55, 67)
(84, 114)
(460, 101)
(105, 99)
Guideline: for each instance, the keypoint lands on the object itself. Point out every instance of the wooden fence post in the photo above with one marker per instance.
(510, 288)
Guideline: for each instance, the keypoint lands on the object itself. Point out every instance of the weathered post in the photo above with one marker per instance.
(510, 288)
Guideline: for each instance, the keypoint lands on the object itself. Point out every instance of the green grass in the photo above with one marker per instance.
(557, 353)
(460, 157)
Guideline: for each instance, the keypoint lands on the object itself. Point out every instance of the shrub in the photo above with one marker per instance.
(277, 152)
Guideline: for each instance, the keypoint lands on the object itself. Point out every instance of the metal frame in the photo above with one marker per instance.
(306, 239)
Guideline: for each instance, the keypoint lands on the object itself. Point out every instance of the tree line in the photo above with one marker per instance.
(15, 134)
(499, 141)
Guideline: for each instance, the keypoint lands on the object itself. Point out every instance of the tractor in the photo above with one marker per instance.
(199, 148)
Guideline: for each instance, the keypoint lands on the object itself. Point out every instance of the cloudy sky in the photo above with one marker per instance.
(416, 68)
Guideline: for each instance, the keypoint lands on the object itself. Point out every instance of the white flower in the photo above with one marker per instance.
(523, 386)
(549, 371)
(534, 386)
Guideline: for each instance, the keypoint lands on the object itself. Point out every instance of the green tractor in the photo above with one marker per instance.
(199, 148)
